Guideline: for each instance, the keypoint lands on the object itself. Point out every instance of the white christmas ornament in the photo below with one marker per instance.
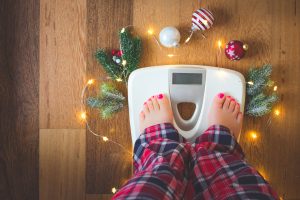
(169, 37)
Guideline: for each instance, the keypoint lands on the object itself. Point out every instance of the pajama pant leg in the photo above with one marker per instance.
(218, 170)
(160, 160)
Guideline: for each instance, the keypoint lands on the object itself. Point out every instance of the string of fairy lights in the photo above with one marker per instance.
(83, 115)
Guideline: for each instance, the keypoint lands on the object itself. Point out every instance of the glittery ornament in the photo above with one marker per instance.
(235, 50)
(202, 19)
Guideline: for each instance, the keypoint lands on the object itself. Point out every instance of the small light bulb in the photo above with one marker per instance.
(277, 112)
(119, 80)
(275, 88)
(253, 135)
(150, 31)
(219, 43)
(113, 190)
(124, 62)
(90, 82)
(122, 30)
(188, 39)
(170, 55)
(250, 82)
(83, 115)
(105, 139)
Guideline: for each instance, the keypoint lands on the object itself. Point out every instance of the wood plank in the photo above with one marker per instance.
(107, 165)
(280, 140)
(272, 34)
(62, 62)
(19, 101)
(62, 164)
(98, 197)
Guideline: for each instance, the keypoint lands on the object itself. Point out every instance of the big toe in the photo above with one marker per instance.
(219, 100)
(162, 101)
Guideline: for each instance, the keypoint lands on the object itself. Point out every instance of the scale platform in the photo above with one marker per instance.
(196, 84)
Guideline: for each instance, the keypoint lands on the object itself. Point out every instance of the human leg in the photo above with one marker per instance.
(218, 167)
(160, 157)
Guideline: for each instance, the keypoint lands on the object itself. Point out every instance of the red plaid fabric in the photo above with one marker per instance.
(167, 167)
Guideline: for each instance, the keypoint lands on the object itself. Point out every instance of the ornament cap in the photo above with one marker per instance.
(245, 47)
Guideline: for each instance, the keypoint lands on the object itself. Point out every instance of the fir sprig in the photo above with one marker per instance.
(131, 48)
(261, 104)
(260, 99)
(111, 68)
(260, 77)
(109, 101)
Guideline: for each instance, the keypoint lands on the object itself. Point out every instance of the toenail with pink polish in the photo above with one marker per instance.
(221, 95)
(160, 96)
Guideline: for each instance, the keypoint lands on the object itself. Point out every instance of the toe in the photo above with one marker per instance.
(232, 105)
(240, 117)
(219, 100)
(163, 102)
(155, 103)
(150, 104)
(161, 99)
(146, 109)
(227, 102)
(142, 116)
(236, 109)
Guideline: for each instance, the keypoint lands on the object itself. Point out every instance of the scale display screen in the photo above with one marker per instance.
(187, 78)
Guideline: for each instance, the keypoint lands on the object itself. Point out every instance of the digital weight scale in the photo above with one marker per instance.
(183, 83)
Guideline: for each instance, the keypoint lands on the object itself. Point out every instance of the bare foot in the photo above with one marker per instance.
(156, 110)
(226, 111)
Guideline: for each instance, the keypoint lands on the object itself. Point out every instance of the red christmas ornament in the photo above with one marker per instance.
(235, 50)
(117, 56)
(115, 52)
(120, 53)
(202, 19)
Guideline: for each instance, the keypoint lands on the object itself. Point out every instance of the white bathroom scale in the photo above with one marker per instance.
(196, 84)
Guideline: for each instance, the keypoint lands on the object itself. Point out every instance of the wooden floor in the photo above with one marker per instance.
(46, 55)
(19, 99)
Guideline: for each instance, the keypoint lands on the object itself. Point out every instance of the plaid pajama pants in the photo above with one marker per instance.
(167, 167)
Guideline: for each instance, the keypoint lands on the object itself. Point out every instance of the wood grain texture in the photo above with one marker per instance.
(98, 197)
(62, 164)
(19, 99)
(62, 62)
(271, 28)
(280, 141)
(108, 165)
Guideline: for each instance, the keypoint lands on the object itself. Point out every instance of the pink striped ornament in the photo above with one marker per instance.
(202, 19)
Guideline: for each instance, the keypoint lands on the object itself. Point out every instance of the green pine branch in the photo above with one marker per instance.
(260, 100)
(260, 78)
(131, 48)
(111, 68)
(109, 101)
(261, 104)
